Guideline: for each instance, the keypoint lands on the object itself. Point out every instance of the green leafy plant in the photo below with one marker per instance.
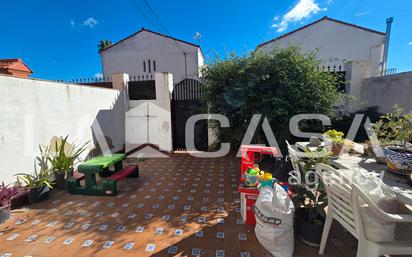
(278, 85)
(103, 44)
(41, 176)
(335, 136)
(35, 180)
(309, 191)
(64, 156)
(395, 128)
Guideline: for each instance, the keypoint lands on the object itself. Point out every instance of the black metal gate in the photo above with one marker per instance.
(187, 100)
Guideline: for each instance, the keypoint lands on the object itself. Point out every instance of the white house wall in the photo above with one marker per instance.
(200, 58)
(128, 56)
(337, 43)
(33, 111)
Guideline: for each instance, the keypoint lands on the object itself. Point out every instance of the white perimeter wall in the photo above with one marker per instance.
(388, 90)
(33, 111)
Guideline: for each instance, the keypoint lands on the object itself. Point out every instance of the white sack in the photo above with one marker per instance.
(274, 221)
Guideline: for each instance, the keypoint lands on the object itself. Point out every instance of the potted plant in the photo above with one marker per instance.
(38, 183)
(19, 200)
(311, 216)
(336, 137)
(63, 157)
(309, 197)
(7, 193)
(394, 131)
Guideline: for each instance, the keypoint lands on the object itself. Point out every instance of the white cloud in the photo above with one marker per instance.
(410, 43)
(72, 23)
(362, 13)
(303, 9)
(197, 35)
(98, 75)
(275, 22)
(90, 22)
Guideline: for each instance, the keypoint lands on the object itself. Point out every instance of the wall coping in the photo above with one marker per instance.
(57, 82)
(392, 76)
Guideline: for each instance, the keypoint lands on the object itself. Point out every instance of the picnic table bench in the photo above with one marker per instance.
(101, 166)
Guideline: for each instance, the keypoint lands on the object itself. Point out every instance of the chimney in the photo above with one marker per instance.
(386, 49)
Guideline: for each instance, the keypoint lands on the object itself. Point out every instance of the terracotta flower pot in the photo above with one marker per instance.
(336, 148)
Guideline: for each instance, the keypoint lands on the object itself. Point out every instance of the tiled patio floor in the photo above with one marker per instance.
(179, 206)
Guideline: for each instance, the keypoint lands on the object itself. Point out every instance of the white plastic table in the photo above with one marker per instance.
(398, 184)
(349, 163)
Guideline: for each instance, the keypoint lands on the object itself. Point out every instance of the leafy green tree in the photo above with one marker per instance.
(103, 44)
(277, 85)
(395, 128)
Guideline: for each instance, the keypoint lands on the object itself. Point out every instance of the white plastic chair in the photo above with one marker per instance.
(339, 203)
(296, 163)
(367, 248)
(343, 206)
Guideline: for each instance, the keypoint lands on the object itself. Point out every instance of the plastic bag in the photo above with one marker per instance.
(274, 221)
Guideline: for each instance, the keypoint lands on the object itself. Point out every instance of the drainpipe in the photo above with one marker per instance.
(386, 49)
(185, 54)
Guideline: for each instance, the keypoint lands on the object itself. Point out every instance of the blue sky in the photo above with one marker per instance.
(58, 39)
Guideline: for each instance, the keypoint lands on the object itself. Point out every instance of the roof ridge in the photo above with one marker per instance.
(151, 31)
(317, 21)
(11, 60)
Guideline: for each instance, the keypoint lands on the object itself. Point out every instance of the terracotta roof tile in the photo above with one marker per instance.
(14, 64)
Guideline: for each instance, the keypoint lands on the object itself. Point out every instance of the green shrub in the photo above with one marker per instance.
(395, 128)
(277, 85)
